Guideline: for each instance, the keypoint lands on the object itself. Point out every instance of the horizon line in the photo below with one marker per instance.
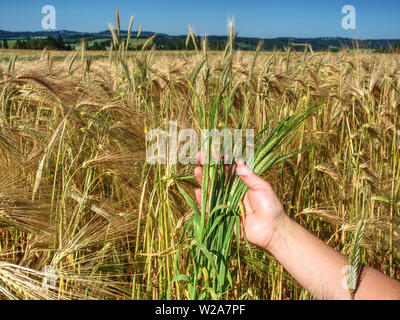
(208, 35)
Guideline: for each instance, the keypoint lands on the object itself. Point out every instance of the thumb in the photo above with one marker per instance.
(253, 181)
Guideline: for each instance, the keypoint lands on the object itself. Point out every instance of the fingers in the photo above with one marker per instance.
(244, 172)
(201, 157)
(198, 195)
(198, 172)
(253, 181)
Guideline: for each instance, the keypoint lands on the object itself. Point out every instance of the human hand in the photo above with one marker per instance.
(264, 213)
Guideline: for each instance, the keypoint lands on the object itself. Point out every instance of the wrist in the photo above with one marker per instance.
(278, 233)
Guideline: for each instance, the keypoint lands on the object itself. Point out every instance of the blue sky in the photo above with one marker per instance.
(262, 19)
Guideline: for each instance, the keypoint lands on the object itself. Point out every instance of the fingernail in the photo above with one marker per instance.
(243, 171)
(240, 162)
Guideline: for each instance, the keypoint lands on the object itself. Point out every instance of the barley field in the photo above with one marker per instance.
(84, 216)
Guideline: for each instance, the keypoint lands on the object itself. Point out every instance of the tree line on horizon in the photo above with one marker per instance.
(39, 44)
(215, 43)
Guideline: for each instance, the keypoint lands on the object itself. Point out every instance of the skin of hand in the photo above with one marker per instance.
(314, 264)
(264, 212)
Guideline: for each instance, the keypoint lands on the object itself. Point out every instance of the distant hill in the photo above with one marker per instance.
(27, 34)
(317, 44)
(64, 33)
(125, 33)
(169, 42)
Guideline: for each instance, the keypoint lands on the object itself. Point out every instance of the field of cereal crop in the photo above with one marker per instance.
(78, 197)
